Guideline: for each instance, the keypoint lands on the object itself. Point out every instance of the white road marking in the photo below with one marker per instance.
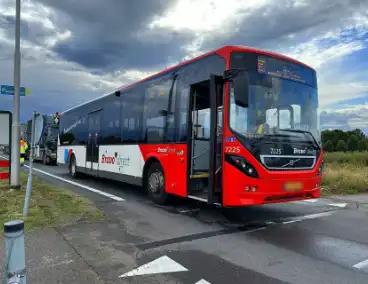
(188, 211)
(163, 264)
(316, 215)
(322, 202)
(305, 202)
(202, 281)
(311, 200)
(341, 205)
(290, 222)
(361, 265)
(308, 217)
(114, 197)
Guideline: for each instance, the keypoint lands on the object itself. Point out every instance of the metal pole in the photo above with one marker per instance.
(15, 153)
(15, 265)
(31, 154)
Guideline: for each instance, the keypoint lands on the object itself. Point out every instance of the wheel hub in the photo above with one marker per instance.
(155, 182)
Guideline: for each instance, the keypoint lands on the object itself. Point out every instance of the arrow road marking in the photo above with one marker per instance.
(361, 265)
(341, 205)
(163, 264)
(202, 281)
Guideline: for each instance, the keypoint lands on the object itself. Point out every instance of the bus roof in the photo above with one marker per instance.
(225, 50)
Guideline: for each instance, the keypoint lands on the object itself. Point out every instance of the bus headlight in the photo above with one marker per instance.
(242, 164)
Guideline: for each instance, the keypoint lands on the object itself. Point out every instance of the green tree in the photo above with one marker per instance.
(358, 133)
(353, 142)
(352, 138)
(363, 145)
(328, 146)
(341, 146)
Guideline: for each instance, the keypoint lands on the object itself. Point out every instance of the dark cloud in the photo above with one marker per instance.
(34, 32)
(112, 35)
(124, 53)
(270, 26)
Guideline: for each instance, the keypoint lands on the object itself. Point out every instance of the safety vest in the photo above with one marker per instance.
(22, 151)
(260, 129)
(23, 146)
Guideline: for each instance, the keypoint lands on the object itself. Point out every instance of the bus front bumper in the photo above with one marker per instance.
(266, 191)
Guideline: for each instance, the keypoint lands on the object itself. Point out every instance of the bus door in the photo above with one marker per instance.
(205, 140)
(94, 128)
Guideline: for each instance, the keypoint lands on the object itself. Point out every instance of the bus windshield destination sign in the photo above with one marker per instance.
(286, 70)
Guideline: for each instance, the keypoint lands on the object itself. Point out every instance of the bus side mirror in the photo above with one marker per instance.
(241, 89)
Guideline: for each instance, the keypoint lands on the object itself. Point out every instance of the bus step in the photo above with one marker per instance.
(203, 197)
(200, 175)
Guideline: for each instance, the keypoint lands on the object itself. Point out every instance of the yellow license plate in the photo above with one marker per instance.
(293, 186)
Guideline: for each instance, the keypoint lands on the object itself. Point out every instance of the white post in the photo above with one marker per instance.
(15, 149)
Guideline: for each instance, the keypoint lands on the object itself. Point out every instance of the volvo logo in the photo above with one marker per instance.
(290, 163)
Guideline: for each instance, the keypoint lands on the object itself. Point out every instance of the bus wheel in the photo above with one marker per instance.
(155, 184)
(73, 167)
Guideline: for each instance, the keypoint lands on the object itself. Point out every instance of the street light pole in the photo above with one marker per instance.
(15, 149)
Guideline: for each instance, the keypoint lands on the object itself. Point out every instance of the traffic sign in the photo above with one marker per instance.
(9, 90)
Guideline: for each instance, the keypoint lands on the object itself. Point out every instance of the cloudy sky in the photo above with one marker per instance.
(76, 50)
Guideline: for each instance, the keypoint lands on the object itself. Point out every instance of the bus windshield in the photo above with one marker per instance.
(277, 107)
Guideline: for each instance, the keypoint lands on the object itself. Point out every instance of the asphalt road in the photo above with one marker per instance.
(300, 242)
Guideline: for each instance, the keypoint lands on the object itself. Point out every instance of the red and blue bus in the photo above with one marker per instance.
(237, 126)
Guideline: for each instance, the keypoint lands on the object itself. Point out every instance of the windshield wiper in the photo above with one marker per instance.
(301, 131)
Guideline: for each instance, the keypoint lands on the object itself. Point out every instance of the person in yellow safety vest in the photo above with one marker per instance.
(260, 129)
(263, 129)
(23, 148)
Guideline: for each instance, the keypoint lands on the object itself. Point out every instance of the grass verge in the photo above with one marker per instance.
(351, 158)
(49, 205)
(345, 173)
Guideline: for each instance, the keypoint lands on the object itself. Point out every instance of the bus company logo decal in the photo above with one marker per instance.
(165, 150)
(116, 159)
(304, 151)
(123, 161)
(74, 125)
(106, 159)
(300, 151)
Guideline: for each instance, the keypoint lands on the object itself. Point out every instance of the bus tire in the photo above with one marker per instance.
(155, 184)
(73, 167)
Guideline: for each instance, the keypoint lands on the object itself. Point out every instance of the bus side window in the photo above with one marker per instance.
(131, 112)
(155, 111)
